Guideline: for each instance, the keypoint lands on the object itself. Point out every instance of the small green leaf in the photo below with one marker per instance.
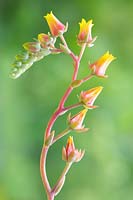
(76, 83)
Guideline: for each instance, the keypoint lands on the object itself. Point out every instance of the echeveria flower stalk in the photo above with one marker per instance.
(70, 153)
(88, 97)
(45, 45)
(56, 27)
(99, 67)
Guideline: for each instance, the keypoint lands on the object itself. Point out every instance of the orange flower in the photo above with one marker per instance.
(70, 154)
(88, 97)
(99, 67)
(56, 27)
(84, 35)
(76, 121)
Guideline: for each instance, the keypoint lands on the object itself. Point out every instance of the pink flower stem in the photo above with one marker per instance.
(56, 114)
(64, 98)
(60, 135)
(72, 107)
(64, 172)
(87, 78)
(43, 169)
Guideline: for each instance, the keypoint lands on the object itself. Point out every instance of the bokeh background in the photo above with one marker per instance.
(26, 104)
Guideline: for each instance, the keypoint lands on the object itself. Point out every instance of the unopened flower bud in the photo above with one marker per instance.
(56, 27)
(88, 97)
(17, 64)
(32, 46)
(70, 154)
(45, 40)
(76, 121)
(23, 56)
(99, 67)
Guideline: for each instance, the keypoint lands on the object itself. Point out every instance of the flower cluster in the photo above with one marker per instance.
(44, 45)
(41, 47)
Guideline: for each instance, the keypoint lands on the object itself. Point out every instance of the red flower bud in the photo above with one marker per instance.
(70, 154)
(88, 97)
(76, 121)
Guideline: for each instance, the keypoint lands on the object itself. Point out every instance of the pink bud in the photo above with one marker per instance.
(88, 97)
(44, 39)
(70, 154)
(76, 121)
(33, 47)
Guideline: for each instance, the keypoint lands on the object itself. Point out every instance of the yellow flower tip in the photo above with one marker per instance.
(113, 57)
(90, 22)
(83, 112)
(108, 55)
(40, 36)
(83, 24)
(56, 27)
(85, 32)
(45, 16)
(98, 89)
(49, 16)
(83, 21)
(70, 140)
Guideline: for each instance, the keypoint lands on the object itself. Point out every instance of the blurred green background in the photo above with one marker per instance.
(26, 104)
